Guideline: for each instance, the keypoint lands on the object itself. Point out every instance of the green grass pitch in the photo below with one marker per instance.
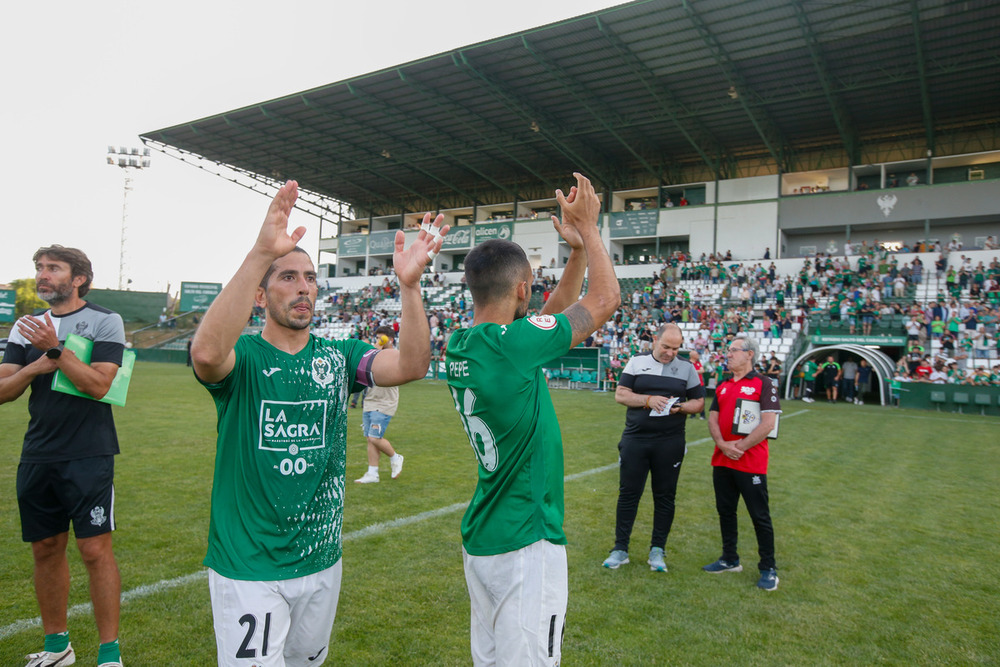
(886, 527)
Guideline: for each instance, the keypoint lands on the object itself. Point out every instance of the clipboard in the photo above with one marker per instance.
(82, 348)
(746, 417)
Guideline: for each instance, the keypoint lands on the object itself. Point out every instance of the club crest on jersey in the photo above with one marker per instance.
(97, 516)
(321, 371)
(543, 322)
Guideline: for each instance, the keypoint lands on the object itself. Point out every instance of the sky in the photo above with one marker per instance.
(80, 76)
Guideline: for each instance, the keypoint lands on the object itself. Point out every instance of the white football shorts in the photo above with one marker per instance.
(274, 623)
(518, 606)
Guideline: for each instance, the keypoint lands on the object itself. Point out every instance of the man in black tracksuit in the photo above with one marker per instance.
(653, 440)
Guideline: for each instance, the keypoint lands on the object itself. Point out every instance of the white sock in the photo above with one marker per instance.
(373, 470)
(394, 457)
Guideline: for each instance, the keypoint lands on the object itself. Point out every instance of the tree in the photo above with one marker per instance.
(27, 300)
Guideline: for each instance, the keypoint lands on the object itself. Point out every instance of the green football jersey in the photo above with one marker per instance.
(495, 376)
(278, 493)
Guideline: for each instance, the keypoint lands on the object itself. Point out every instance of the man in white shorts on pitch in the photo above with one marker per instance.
(274, 543)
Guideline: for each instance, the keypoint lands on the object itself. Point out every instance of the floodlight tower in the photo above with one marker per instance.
(129, 160)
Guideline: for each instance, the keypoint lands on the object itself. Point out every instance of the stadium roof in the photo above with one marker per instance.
(650, 92)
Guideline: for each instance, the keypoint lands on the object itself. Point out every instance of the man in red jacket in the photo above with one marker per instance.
(740, 461)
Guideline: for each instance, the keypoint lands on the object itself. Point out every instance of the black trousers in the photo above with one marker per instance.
(729, 486)
(660, 459)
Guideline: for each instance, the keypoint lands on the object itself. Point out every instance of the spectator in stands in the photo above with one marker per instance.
(773, 368)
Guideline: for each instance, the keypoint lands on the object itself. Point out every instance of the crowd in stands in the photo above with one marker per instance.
(713, 298)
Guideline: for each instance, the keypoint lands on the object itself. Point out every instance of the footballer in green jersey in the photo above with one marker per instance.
(495, 376)
(274, 553)
(514, 552)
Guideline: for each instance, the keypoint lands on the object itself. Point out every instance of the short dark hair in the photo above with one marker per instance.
(492, 268)
(270, 269)
(388, 331)
(79, 264)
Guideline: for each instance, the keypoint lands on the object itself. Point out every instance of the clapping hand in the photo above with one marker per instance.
(409, 264)
(274, 241)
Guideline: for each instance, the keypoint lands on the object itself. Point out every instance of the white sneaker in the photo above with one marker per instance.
(396, 464)
(111, 664)
(368, 478)
(49, 659)
(807, 400)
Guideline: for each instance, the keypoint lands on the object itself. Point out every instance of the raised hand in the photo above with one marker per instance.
(274, 240)
(569, 233)
(409, 264)
(582, 207)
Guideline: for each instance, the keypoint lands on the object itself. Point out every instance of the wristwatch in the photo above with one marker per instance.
(54, 352)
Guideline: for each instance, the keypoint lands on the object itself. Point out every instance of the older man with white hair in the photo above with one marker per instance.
(743, 413)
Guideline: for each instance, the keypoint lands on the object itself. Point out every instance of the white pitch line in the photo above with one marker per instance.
(375, 529)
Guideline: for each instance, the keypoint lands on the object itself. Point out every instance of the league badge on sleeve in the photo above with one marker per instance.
(543, 322)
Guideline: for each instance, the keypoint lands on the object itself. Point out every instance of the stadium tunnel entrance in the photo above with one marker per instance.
(882, 366)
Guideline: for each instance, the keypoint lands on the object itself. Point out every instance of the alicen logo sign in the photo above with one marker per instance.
(501, 230)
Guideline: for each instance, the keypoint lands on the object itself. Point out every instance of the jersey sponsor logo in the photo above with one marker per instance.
(322, 371)
(543, 322)
(97, 516)
(287, 426)
(747, 390)
(268, 372)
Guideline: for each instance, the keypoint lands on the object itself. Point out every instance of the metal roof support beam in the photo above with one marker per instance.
(307, 201)
(572, 86)
(840, 115)
(403, 162)
(663, 96)
(925, 96)
(372, 101)
(278, 159)
(529, 115)
(299, 126)
(766, 129)
(433, 95)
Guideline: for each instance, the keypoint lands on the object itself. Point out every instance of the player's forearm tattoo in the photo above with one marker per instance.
(580, 320)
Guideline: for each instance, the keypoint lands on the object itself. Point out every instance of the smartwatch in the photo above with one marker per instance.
(54, 352)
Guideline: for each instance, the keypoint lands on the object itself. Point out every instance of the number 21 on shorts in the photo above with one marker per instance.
(480, 436)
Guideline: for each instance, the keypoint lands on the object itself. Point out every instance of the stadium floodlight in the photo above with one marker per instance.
(129, 160)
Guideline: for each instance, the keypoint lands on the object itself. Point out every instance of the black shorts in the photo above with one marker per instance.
(50, 495)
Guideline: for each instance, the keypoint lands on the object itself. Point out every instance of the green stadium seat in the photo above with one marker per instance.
(937, 398)
(960, 398)
(983, 401)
